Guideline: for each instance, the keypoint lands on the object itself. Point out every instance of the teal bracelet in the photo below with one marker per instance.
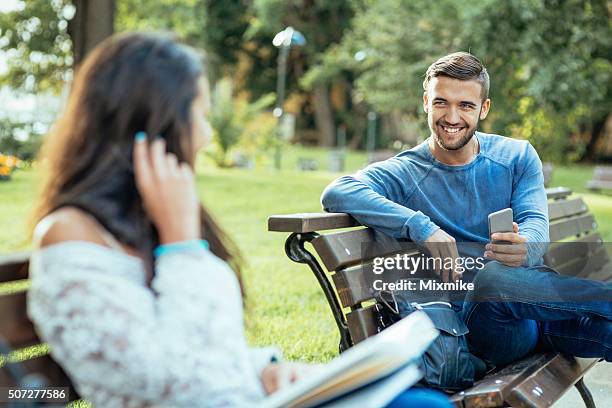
(181, 246)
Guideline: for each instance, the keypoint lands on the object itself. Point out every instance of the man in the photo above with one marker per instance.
(440, 193)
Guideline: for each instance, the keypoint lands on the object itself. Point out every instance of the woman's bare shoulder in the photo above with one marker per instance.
(66, 224)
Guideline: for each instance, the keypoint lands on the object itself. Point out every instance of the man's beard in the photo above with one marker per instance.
(459, 144)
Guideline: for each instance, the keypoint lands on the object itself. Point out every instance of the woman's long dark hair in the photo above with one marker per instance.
(128, 83)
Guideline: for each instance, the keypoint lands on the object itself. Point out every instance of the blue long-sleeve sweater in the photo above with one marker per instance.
(412, 194)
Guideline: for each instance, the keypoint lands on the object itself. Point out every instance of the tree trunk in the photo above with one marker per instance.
(93, 21)
(360, 113)
(323, 115)
(596, 133)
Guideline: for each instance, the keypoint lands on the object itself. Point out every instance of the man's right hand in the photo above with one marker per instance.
(443, 246)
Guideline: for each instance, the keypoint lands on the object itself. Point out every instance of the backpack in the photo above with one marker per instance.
(447, 364)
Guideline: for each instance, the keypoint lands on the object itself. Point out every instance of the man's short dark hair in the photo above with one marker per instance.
(459, 65)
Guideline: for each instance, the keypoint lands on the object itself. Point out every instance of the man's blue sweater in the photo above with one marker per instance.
(412, 194)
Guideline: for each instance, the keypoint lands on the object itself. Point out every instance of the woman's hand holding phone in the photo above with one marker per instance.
(167, 189)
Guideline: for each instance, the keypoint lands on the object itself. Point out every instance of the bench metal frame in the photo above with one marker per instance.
(295, 250)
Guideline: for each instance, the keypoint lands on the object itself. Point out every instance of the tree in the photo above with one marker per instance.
(24, 148)
(386, 51)
(93, 21)
(37, 45)
(253, 57)
(553, 70)
(45, 39)
(549, 62)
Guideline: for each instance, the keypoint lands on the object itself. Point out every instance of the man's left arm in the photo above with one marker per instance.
(530, 206)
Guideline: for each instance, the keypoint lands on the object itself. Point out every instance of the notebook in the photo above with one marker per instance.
(378, 368)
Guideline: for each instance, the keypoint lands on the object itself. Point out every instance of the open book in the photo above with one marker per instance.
(390, 354)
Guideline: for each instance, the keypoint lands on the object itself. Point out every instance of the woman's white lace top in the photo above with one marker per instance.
(179, 344)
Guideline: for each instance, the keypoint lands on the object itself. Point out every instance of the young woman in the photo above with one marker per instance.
(131, 280)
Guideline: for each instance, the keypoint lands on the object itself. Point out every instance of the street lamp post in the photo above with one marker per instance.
(283, 40)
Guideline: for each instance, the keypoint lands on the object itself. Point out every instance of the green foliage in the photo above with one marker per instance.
(259, 139)
(549, 62)
(185, 18)
(230, 118)
(397, 39)
(37, 45)
(226, 23)
(322, 22)
(552, 74)
(25, 148)
(224, 122)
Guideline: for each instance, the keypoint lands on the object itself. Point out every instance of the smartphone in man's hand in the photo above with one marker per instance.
(501, 221)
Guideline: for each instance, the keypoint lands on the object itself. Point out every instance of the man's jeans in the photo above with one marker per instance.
(513, 311)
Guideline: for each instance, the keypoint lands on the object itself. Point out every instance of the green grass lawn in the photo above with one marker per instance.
(285, 305)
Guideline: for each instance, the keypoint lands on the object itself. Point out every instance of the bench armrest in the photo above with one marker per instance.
(310, 222)
(14, 266)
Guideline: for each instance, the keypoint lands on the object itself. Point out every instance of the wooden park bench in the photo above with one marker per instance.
(17, 333)
(537, 381)
(602, 179)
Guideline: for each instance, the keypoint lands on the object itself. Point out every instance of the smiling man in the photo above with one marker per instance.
(440, 193)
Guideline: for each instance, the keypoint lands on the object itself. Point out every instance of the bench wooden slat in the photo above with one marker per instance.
(352, 288)
(356, 284)
(562, 252)
(565, 208)
(310, 222)
(489, 392)
(556, 193)
(517, 384)
(343, 249)
(46, 366)
(603, 275)
(14, 266)
(363, 323)
(584, 267)
(549, 382)
(599, 265)
(15, 326)
(571, 227)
